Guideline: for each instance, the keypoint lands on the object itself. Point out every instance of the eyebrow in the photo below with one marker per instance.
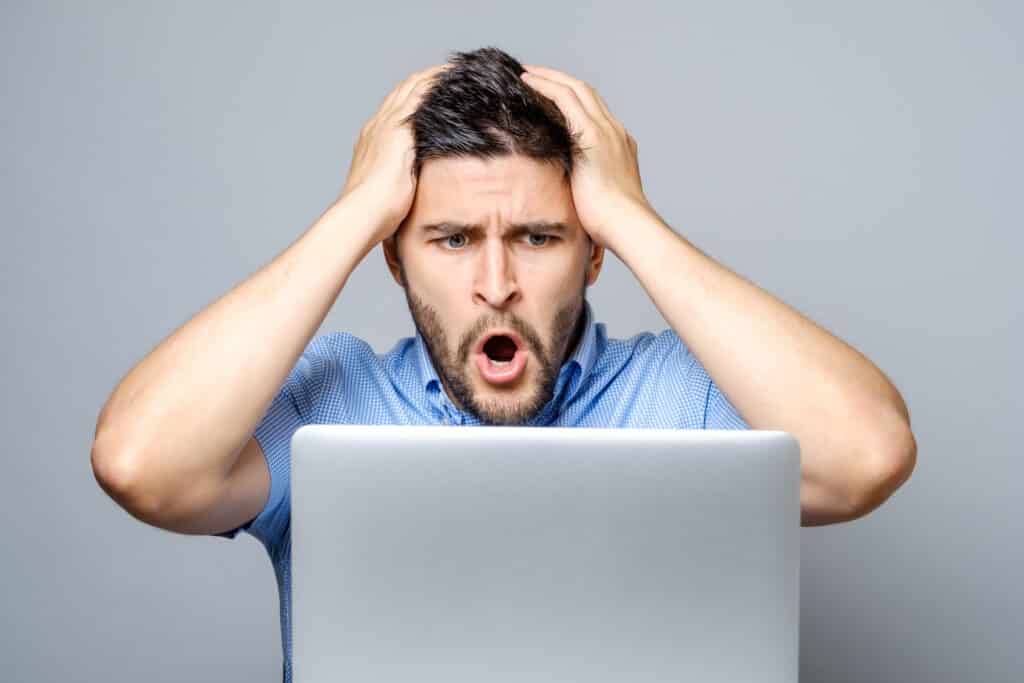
(451, 227)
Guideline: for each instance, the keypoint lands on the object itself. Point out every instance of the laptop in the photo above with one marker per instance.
(501, 554)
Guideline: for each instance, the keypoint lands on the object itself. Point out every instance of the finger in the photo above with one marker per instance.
(414, 94)
(393, 95)
(589, 93)
(418, 83)
(399, 93)
(584, 91)
(564, 96)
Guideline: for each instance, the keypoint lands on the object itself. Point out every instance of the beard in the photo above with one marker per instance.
(455, 370)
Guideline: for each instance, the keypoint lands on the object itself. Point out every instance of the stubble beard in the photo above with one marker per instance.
(454, 369)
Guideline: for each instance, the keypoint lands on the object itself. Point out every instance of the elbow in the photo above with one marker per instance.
(108, 466)
(887, 471)
(117, 476)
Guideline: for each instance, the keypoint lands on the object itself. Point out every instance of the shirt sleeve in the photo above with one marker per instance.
(683, 386)
(293, 406)
(719, 413)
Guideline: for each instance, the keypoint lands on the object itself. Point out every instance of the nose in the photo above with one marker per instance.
(495, 283)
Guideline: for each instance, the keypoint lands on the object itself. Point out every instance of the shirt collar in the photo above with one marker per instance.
(583, 357)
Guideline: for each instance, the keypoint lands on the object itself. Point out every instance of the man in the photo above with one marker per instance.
(494, 191)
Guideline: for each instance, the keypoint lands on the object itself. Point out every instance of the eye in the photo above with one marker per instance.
(535, 239)
(449, 237)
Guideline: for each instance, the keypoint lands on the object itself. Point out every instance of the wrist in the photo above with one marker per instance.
(625, 219)
(362, 216)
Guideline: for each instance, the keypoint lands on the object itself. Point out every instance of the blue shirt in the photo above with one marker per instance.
(648, 380)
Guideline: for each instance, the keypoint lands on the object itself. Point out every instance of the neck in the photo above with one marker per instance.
(577, 335)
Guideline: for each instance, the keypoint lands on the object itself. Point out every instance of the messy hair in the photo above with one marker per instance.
(480, 107)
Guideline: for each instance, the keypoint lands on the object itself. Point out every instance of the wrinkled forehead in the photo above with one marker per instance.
(510, 189)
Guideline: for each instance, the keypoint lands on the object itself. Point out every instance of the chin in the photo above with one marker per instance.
(512, 393)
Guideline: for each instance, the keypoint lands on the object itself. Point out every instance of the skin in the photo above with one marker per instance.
(459, 286)
(778, 368)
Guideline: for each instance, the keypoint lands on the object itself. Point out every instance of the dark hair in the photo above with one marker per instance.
(480, 107)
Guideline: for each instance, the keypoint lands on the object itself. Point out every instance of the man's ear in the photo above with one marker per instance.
(390, 247)
(594, 262)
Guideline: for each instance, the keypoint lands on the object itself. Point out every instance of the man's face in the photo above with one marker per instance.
(485, 272)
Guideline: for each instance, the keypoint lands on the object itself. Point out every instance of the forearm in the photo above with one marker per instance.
(779, 369)
(185, 411)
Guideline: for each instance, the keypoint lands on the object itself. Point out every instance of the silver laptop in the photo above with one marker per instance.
(494, 554)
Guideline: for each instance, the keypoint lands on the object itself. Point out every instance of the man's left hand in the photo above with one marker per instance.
(606, 180)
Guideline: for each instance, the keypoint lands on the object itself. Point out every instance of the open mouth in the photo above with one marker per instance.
(501, 357)
(501, 349)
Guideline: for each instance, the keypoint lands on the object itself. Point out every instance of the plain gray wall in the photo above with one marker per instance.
(861, 161)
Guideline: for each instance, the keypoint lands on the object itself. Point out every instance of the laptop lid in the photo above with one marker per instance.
(536, 554)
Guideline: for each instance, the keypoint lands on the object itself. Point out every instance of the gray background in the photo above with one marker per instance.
(861, 161)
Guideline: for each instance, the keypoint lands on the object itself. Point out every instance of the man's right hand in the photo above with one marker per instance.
(380, 178)
(183, 457)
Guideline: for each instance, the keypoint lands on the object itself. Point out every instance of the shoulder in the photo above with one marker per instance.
(326, 354)
(341, 345)
(331, 364)
(664, 370)
(342, 348)
(649, 379)
(644, 350)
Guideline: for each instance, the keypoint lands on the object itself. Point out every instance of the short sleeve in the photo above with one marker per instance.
(680, 392)
(293, 406)
(719, 413)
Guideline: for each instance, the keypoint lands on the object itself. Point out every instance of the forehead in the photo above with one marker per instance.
(507, 188)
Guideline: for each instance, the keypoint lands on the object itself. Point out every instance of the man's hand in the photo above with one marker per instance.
(606, 182)
(380, 177)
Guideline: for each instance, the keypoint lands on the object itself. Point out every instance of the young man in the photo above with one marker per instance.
(494, 194)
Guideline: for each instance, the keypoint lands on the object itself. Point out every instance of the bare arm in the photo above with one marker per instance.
(170, 435)
(780, 370)
(181, 416)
